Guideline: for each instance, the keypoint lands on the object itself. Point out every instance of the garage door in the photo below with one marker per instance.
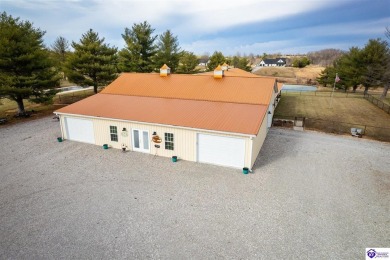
(221, 150)
(80, 130)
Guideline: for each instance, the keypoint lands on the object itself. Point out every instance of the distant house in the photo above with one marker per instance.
(278, 62)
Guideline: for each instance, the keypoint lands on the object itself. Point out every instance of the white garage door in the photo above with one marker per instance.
(80, 130)
(221, 150)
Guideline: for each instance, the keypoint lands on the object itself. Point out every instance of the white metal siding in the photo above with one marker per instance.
(221, 150)
(80, 130)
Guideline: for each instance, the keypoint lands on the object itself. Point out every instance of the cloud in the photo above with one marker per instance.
(184, 17)
(243, 26)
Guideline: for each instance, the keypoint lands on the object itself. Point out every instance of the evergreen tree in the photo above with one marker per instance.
(93, 63)
(188, 63)
(168, 51)
(235, 61)
(374, 57)
(327, 76)
(26, 70)
(386, 75)
(216, 59)
(300, 62)
(243, 64)
(140, 49)
(349, 67)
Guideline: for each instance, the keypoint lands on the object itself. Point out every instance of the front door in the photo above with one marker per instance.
(141, 140)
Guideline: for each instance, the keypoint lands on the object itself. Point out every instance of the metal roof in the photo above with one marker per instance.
(237, 103)
(244, 90)
(216, 116)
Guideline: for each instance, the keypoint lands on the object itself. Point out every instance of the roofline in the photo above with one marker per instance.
(200, 100)
(174, 126)
(204, 74)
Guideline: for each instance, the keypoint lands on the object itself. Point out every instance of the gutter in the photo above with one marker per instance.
(174, 126)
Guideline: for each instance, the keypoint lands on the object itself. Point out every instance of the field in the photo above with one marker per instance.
(291, 75)
(345, 113)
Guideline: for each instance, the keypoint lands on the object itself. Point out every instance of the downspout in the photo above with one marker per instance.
(61, 125)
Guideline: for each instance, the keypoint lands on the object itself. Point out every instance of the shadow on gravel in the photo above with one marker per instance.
(275, 146)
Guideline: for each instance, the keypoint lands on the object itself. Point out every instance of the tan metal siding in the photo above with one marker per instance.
(185, 140)
(258, 141)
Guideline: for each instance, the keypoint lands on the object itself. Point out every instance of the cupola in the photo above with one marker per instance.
(218, 72)
(165, 71)
(225, 67)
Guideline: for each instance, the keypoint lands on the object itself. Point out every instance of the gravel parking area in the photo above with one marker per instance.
(311, 196)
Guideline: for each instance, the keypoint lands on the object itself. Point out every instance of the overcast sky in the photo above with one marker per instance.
(244, 26)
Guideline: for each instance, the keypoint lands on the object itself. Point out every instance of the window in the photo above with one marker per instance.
(169, 141)
(114, 133)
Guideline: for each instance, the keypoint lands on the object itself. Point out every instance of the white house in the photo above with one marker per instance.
(278, 62)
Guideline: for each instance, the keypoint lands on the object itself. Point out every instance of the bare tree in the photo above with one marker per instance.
(61, 48)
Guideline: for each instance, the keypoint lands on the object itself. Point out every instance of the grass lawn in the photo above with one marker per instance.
(349, 110)
(354, 112)
(8, 108)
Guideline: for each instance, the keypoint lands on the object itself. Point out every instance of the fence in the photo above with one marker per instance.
(69, 98)
(336, 127)
(379, 103)
(323, 94)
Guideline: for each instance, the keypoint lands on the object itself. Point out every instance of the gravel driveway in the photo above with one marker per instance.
(311, 196)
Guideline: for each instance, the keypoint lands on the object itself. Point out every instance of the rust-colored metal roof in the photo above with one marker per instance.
(280, 85)
(236, 72)
(217, 116)
(241, 89)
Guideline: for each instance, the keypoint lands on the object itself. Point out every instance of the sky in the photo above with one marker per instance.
(204, 26)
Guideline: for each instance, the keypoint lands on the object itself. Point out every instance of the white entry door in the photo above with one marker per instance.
(221, 150)
(141, 140)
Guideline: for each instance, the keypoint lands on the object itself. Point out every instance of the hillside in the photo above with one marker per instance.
(290, 74)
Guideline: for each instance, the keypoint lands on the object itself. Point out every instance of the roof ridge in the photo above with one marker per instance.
(202, 74)
(204, 100)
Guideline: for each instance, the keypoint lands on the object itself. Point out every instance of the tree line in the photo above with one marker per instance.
(30, 70)
(368, 66)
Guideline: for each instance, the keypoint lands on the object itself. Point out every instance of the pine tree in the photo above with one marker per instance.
(140, 49)
(188, 63)
(26, 70)
(374, 57)
(168, 51)
(93, 63)
(243, 64)
(216, 59)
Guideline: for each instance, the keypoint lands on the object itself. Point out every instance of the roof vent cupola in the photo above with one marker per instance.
(165, 71)
(218, 72)
(225, 67)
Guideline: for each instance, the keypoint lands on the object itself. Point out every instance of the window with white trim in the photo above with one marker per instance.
(114, 133)
(169, 145)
